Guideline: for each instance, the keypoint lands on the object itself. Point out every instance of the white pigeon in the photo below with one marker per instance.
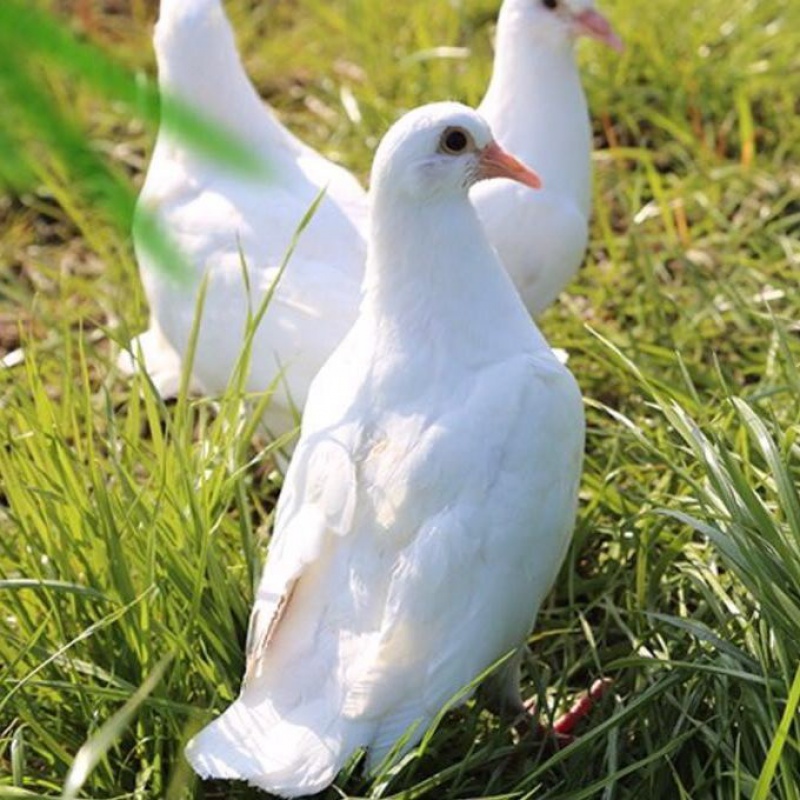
(537, 109)
(222, 221)
(432, 494)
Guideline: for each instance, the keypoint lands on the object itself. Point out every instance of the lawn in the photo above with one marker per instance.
(132, 531)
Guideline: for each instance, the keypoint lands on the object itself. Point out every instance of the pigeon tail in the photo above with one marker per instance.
(290, 754)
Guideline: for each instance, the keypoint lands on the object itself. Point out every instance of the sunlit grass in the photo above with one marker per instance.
(131, 532)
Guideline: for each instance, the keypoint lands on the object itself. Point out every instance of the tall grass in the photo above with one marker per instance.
(132, 532)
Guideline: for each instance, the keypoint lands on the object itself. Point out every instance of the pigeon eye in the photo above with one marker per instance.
(551, 4)
(454, 141)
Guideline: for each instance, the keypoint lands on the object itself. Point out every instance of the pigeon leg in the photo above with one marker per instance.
(562, 729)
(500, 692)
(581, 708)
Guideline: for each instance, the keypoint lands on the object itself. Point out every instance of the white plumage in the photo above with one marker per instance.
(536, 108)
(431, 497)
(536, 105)
(215, 217)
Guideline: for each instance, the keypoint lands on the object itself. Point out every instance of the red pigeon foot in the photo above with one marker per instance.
(562, 729)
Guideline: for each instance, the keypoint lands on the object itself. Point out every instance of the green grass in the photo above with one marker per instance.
(131, 533)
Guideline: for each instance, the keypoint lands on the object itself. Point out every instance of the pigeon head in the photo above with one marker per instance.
(190, 18)
(443, 149)
(563, 20)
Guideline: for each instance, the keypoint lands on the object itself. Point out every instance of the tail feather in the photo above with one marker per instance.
(288, 754)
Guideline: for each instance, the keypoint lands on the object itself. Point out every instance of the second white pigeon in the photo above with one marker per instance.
(225, 223)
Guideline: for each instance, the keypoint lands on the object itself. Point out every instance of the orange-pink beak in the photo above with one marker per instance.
(496, 163)
(593, 23)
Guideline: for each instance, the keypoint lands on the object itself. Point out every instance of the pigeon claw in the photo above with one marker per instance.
(581, 708)
(561, 731)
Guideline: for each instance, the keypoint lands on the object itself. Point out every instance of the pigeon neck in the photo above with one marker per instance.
(431, 266)
(199, 65)
(537, 109)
